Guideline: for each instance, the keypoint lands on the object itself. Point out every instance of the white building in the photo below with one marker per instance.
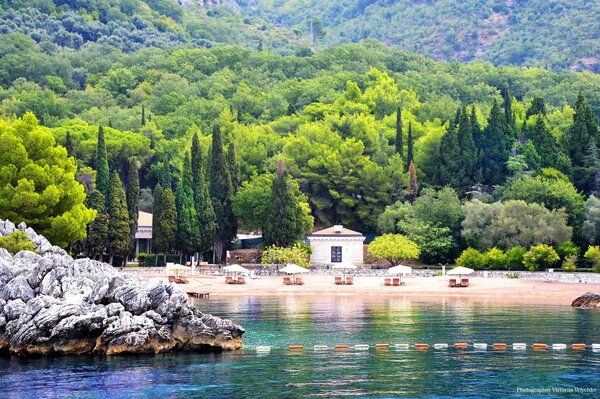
(335, 245)
(143, 235)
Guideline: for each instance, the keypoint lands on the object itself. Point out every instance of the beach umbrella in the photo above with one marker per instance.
(177, 268)
(400, 269)
(460, 271)
(235, 269)
(294, 269)
(344, 266)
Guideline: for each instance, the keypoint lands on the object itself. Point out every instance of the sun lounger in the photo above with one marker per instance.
(229, 280)
(299, 281)
(182, 280)
(172, 279)
(241, 280)
(349, 280)
(396, 282)
(387, 282)
(464, 282)
(452, 282)
(338, 281)
(287, 281)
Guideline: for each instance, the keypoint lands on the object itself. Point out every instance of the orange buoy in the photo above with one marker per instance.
(579, 347)
(341, 347)
(296, 347)
(422, 346)
(499, 346)
(382, 346)
(540, 346)
(461, 345)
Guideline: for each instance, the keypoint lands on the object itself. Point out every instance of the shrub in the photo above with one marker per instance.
(567, 249)
(569, 264)
(540, 256)
(394, 248)
(145, 259)
(592, 255)
(275, 255)
(514, 257)
(17, 241)
(472, 258)
(496, 259)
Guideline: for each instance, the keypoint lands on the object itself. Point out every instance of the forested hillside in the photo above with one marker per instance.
(557, 34)
(361, 134)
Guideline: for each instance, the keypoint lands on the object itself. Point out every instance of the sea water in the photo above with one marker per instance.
(344, 320)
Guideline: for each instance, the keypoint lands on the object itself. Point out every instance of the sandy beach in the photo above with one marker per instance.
(499, 290)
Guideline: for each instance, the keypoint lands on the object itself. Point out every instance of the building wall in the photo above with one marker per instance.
(352, 249)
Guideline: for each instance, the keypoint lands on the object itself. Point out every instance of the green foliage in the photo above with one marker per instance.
(394, 248)
(37, 183)
(540, 256)
(101, 165)
(132, 194)
(514, 257)
(187, 239)
(17, 241)
(566, 250)
(164, 220)
(296, 254)
(496, 259)
(204, 207)
(118, 240)
(510, 223)
(570, 263)
(97, 231)
(591, 225)
(592, 255)
(472, 258)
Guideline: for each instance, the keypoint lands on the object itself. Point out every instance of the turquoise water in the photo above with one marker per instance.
(308, 321)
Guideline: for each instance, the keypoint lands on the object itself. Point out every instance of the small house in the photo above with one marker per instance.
(336, 244)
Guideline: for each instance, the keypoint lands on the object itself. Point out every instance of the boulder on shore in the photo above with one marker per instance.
(589, 300)
(52, 304)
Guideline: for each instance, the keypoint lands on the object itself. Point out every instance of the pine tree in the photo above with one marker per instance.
(537, 107)
(143, 115)
(543, 140)
(164, 221)
(97, 232)
(188, 231)
(496, 144)
(69, 145)
(449, 160)
(118, 227)
(511, 120)
(204, 207)
(133, 196)
(468, 151)
(234, 167)
(413, 185)
(409, 148)
(102, 172)
(584, 127)
(399, 144)
(220, 193)
(283, 226)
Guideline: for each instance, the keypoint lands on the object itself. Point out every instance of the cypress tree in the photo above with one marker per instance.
(164, 221)
(204, 207)
(143, 115)
(69, 145)
(97, 232)
(188, 231)
(413, 185)
(101, 166)
(537, 107)
(234, 167)
(157, 226)
(283, 226)
(133, 196)
(220, 193)
(118, 227)
(409, 148)
(511, 121)
(399, 144)
(496, 144)
(543, 140)
(449, 159)
(468, 151)
(584, 128)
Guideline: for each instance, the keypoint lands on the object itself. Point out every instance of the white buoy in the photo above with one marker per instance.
(401, 346)
(519, 346)
(361, 347)
(263, 348)
(480, 346)
(440, 346)
(559, 346)
(320, 347)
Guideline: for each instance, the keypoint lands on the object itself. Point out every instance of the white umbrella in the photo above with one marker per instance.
(235, 269)
(344, 265)
(293, 269)
(400, 269)
(177, 268)
(460, 271)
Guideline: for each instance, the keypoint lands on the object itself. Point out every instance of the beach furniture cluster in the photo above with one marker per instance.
(477, 346)
(238, 280)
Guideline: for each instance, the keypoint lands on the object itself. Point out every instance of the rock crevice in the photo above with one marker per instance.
(52, 304)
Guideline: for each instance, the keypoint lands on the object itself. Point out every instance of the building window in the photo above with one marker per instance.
(336, 254)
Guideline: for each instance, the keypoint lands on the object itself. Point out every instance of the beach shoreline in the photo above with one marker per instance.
(480, 289)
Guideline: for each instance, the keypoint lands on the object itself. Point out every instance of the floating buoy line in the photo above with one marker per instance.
(477, 346)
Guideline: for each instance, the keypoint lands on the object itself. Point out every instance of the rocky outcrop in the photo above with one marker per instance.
(51, 304)
(589, 300)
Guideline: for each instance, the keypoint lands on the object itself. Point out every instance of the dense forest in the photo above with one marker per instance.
(211, 140)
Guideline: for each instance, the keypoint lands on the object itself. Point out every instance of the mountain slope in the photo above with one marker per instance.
(556, 34)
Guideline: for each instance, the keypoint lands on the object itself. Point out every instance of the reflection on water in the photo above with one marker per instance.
(330, 320)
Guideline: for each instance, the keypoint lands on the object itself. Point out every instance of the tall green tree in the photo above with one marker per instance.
(133, 196)
(234, 167)
(584, 127)
(203, 203)
(118, 243)
(69, 146)
(164, 221)
(101, 165)
(221, 191)
(285, 217)
(409, 148)
(188, 230)
(399, 140)
(97, 231)
(468, 151)
(449, 159)
(143, 121)
(496, 144)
